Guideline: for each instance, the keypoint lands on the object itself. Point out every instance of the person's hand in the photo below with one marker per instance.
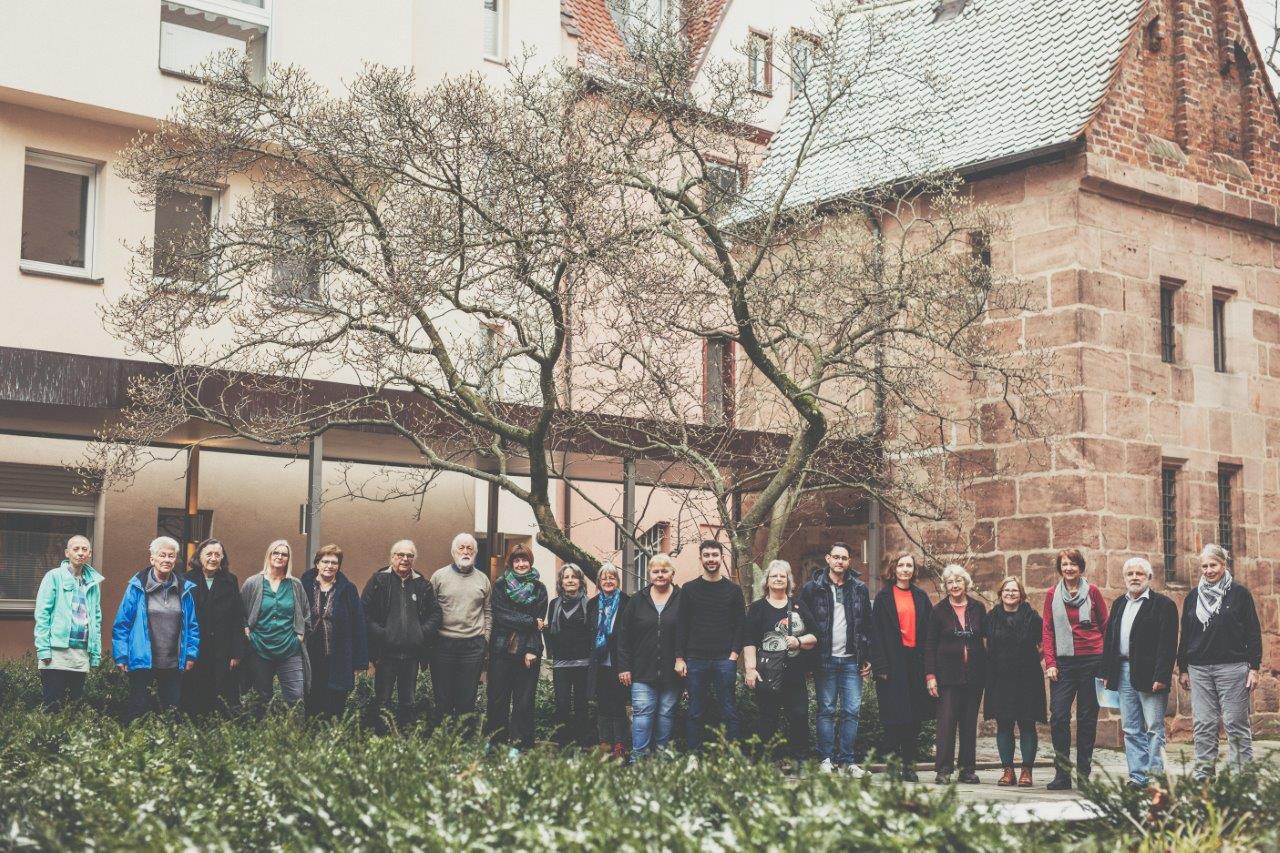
(1185, 680)
(1052, 672)
(932, 684)
(1158, 686)
(190, 665)
(1251, 681)
(235, 662)
(682, 668)
(884, 676)
(122, 667)
(793, 643)
(733, 656)
(866, 670)
(46, 661)
(529, 658)
(753, 678)
(624, 678)
(541, 624)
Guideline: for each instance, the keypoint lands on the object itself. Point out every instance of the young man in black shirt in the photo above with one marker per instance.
(708, 642)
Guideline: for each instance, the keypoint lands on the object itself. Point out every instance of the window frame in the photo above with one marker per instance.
(74, 166)
(813, 42)
(721, 415)
(499, 28)
(763, 86)
(1169, 519)
(232, 10)
(1218, 326)
(214, 194)
(1227, 530)
(1169, 288)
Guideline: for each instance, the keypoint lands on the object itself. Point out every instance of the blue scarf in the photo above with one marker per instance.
(608, 608)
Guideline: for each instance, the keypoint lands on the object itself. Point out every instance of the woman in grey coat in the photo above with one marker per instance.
(276, 613)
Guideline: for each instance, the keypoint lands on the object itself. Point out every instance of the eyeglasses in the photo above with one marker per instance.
(279, 553)
(404, 554)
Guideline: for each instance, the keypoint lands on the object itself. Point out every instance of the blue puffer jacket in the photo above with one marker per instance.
(131, 635)
(857, 614)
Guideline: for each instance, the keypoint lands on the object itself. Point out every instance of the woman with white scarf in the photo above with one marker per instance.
(1075, 622)
(569, 641)
(1218, 658)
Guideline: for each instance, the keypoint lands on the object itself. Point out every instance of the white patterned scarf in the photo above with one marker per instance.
(1209, 597)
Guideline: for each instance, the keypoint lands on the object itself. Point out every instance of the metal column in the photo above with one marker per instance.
(191, 507)
(492, 536)
(315, 491)
(633, 581)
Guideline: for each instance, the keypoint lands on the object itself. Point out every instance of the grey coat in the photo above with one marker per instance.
(251, 594)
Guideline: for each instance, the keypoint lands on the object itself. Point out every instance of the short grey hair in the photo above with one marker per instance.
(955, 570)
(609, 569)
(164, 542)
(777, 564)
(460, 539)
(577, 573)
(1215, 552)
(1141, 562)
(396, 544)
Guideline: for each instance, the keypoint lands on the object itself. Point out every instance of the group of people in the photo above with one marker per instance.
(194, 637)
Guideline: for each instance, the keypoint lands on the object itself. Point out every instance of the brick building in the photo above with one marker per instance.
(1134, 148)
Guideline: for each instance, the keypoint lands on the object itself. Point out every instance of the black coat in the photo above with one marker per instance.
(900, 687)
(610, 644)
(1015, 678)
(817, 596)
(647, 640)
(515, 626)
(376, 601)
(1153, 644)
(575, 636)
(1233, 636)
(348, 643)
(220, 615)
(944, 650)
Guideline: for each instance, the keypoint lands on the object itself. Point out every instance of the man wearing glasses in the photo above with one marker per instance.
(458, 655)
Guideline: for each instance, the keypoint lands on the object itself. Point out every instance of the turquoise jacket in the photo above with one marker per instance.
(53, 611)
(131, 633)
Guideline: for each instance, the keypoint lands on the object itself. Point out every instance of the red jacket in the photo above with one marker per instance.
(1088, 640)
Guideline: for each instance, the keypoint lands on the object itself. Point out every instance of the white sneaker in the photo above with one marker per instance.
(855, 771)
(826, 767)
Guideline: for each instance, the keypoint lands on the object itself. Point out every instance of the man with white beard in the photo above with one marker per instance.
(462, 591)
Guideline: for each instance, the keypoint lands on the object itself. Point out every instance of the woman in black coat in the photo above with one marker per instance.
(899, 627)
(647, 658)
(518, 601)
(955, 672)
(604, 614)
(1015, 679)
(569, 640)
(337, 638)
(213, 684)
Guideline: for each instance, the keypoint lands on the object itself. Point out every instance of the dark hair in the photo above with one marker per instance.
(844, 545)
(195, 566)
(1072, 554)
(709, 544)
(890, 574)
(325, 552)
(519, 550)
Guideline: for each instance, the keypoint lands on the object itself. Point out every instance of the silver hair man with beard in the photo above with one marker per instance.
(462, 591)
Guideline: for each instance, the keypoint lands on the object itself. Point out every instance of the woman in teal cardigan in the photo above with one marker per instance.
(68, 625)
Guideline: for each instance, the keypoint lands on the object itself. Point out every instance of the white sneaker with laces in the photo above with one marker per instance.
(825, 766)
(855, 771)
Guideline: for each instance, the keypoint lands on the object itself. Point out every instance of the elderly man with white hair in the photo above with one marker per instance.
(462, 589)
(402, 618)
(1138, 654)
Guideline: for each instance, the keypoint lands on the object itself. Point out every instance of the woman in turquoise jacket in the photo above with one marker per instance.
(155, 637)
(68, 625)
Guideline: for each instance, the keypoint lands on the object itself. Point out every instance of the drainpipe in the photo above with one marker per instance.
(875, 532)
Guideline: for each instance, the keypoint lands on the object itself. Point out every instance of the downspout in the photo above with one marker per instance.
(875, 532)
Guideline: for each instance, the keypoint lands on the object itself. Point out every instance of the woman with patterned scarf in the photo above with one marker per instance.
(519, 602)
(569, 639)
(602, 673)
(1218, 660)
(336, 637)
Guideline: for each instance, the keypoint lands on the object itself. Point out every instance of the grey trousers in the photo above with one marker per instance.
(1219, 698)
(290, 673)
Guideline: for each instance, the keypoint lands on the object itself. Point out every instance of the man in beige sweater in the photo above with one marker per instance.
(462, 591)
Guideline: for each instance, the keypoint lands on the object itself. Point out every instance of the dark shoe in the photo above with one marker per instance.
(1006, 778)
(1060, 783)
(942, 779)
(910, 776)
(1024, 779)
(968, 777)
(1135, 785)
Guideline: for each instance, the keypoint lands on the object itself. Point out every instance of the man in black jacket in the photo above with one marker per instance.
(1138, 653)
(403, 618)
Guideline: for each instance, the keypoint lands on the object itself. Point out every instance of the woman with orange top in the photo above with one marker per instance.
(899, 620)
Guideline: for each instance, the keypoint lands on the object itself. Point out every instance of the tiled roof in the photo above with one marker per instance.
(598, 35)
(1004, 77)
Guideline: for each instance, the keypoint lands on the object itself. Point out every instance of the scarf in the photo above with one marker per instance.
(1209, 597)
(608, 604)
(521, 588)
(322, 617)
(567, 606)
(1064, 644)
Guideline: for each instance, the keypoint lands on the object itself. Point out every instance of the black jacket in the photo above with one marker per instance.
(348, 642)
(1015, 676)
(610, 650)
(1233, 636)
(576, 635)
(1153, 644)
(377, 602)
(899, 671)
(647, 641)
(220, 615)
(515, 626)
(944, 649)
(816, 595)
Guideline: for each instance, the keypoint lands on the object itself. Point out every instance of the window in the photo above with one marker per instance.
(1168, 331)
(40, 509)
(718, 381)
(195, 31)
(58, 203)
(172, 522)
(1220, 333)
(760, 63)
(1169, 520)
(298, 269)
(724, 181)
(183, 220)
(652, 541)
(803, 49)
(1226, 530)
(493, 29)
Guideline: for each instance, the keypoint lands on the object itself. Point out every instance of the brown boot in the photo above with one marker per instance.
(619, 752)
(606, 747)
(1006, 778)
(1024, 779)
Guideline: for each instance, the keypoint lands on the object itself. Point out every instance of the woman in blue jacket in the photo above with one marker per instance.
(68, 625)
(155, 637)
(336, 638)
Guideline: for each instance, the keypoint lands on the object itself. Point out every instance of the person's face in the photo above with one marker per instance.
(779, 580)
(211, 558)
(1212, 569)
(280, 557)
(712, 560)
(905, 570)
(1070, 571)
(464, 555)
(78, 551)
(521, 564)
(569, 582)
(660, 575)
(327, 567)
(608, 583)
(1136, 580)
(955, 586)
(1010, 595)
(402, 559)
(164, 561)
(838, 560)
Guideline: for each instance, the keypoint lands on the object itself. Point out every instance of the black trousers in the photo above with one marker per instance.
(1075, 683)
(211, 686)
(789, 702)
(58, 686)
(509, 715)
(455, 674)
(570, 683)
(902, 740)
(611, 707)
(401, 676)
(958, 713)
(322, 700)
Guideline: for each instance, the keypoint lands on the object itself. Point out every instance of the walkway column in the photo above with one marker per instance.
(491, 530)
(631, 581)
(191, 507)
(315, 491)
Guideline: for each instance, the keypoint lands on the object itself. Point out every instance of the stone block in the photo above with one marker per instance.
(1054, 249)
(1040, 573)
(1149, 375)
(1054, 328)
(1125, 255)
(1056, 493)
(1115, 533)
(1093, 413)
(1022, 534)
(1266, 326)
(1142, 458)
(1129, 495)
(993, 498)
(1165, 420)
(1077, 530)
(1126, 416)
(1220, 432)
(1105, 370)
(1144, 535)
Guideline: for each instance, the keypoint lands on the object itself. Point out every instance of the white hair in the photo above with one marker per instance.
(608, 569)
(1215, 552)
(777, 564)
(460, 539)
(955, 570)
(163, 542)
(396, 544)
(1142, 563)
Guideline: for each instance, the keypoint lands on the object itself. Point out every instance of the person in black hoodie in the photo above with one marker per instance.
(604, 616)
(647, 657)
(569, 642)
(213, 684)
(1015, 679)
(518, 602)
(402, 616)
(336, 635)
(955, 673)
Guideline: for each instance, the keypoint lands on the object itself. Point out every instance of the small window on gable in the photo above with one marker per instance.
(804, 49)
(724, 181)
(58, 204)
(194, 31)
(718, 381)
(760, 63)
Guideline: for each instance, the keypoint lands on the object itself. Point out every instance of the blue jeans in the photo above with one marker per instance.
(1142, 720)
(650, 701)
(838, 677)
(705, 676)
